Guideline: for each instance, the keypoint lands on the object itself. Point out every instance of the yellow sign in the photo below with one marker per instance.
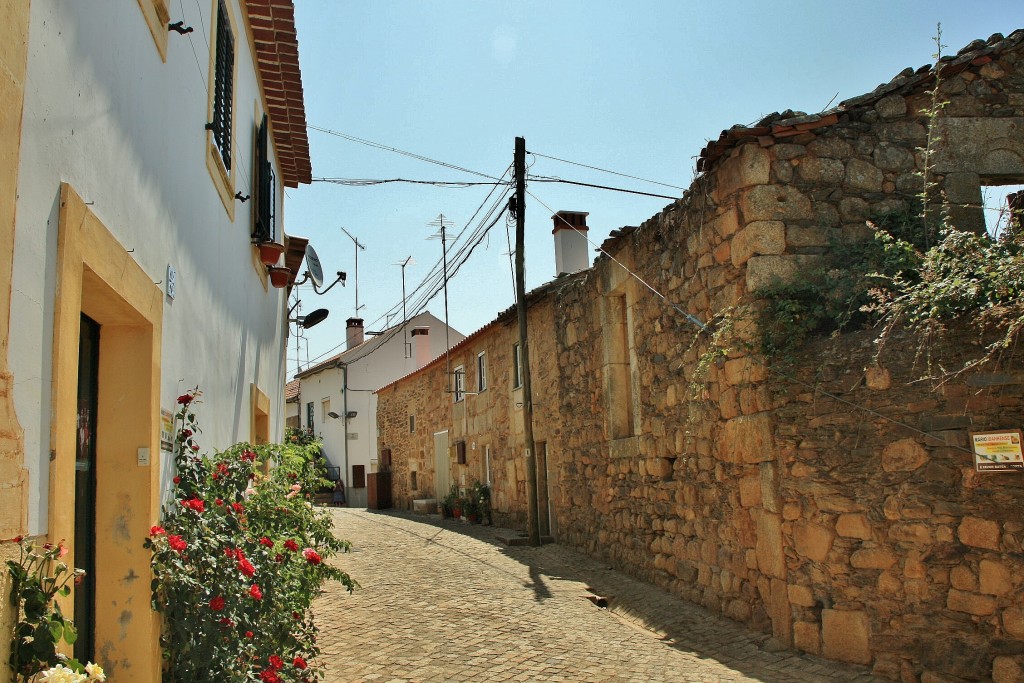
(998, 451)
(166, 430)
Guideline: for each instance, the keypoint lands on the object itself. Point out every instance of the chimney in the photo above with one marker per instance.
(421, 346)
(571, 252)
(353, 333)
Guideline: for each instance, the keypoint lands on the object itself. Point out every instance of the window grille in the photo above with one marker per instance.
(264, 228)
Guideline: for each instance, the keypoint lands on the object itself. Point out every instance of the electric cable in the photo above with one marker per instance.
(552, 179)
(605, 170)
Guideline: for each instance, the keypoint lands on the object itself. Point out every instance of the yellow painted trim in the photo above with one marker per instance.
(223, 179)
(98, 277)
(259, 416)
(157, 18)
(13, 475)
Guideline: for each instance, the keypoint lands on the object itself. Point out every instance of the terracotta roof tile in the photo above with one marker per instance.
(277, 58)
(789, 123)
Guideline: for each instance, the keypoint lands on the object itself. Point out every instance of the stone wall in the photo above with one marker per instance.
(863, 538)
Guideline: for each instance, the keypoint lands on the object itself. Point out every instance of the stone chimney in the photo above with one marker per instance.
(353, 333)
(571, 251)
(421, 346)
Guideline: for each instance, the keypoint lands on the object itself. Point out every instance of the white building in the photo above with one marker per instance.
(137, 167)
(338, 403)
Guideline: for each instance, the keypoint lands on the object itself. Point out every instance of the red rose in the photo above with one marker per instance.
(275, 662)
(222, 468)
(269, 676)
(299, 662)
(266, 542)
(177, 543)
(245, 566)
(157, 530)
(185, 399)
(218, 502)
(195, 447)
(217, 604)
(177, 480)
(225, 621)
(237, 507)
(279, 558)
(290, 544)
(311, 556)
(249, 456)
(296, 616)
(255, 592)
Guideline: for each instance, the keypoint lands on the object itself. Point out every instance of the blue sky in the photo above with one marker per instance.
(635, 87)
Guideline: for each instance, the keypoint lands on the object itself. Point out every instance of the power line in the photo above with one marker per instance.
(387, 148)
(550, 179)
(605, 170)
(364, 182)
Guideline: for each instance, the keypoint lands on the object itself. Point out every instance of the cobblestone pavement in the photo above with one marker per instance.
(442, 601)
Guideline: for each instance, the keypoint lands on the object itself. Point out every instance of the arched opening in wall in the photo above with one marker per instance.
(1003, 204)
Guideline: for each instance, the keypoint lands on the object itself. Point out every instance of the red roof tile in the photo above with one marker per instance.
(277, 58)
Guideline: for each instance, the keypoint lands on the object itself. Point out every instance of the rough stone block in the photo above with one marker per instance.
(994, 578)
(845, 635)
(854, 209)
(801, 595)
(806, 637)
(971, 603)
(1013, 622)
(979, 533)
(890, 157)
(987, 146)
(813, 541)
(860, 175)
(780, 612)
(725, 224)
(872, 558)
(768, 271)
(854, 525)
(747, 438)
(877, 378)
(744, 371)
(775, 203)
(758, 237)
(750, 491)
(962, 578)
(770, 489)
(771, 559)
(905, 455)
(1008, 669)
(801, 236)
(820, 170)
(833, 148)
(750, 166)
(891, 106)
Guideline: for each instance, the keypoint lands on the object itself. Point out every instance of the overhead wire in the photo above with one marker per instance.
(552, 179)
(605, 170)
(366, 182)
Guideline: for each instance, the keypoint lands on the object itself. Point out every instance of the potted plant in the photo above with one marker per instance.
(482, 494)
(448, 503)
(471, 508)
(270, 252)
(279, 276)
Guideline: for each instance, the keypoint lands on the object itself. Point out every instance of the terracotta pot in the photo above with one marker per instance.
(279, 276)
(457, 513)
(270, 252)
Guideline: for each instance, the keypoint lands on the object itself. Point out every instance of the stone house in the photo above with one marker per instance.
(833, 504)
(140, 169)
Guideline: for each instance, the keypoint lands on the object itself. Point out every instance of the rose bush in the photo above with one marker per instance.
(230, 580)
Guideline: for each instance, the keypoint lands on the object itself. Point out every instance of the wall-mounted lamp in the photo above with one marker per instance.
(335, 416)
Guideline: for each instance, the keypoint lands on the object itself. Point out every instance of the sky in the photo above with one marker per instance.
(633, 87)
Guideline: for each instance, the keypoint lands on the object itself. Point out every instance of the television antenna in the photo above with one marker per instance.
(409, 261)
(358, 246)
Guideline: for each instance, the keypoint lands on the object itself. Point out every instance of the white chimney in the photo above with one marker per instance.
(353, 333)
(421, 346)
(571, 252)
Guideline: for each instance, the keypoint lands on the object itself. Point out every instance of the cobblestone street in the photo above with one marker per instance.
(448, 602)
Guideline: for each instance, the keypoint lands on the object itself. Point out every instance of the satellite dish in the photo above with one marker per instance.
(315, 317)
(316, 271)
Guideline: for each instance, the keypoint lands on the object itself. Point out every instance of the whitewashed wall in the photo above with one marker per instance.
(126, 130)
(365, 375)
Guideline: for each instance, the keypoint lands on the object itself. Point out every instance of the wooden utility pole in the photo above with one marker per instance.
(519, 166)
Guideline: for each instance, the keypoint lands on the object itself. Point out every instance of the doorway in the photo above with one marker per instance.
(442, 465)
(85, 486)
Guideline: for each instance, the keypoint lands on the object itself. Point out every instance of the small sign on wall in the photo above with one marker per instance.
(166, 430)
(998, 451)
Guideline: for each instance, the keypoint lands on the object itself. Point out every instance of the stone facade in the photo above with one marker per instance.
(852, 527)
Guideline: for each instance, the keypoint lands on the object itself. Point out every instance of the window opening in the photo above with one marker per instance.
(358, 476)
(460, 383)
(412, 424)
(264, 222)
(1004, 210)
(481, 371)
(223, 86)
(309, 416)
(517, 372)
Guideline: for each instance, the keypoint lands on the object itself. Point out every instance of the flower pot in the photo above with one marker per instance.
(473, 518)
(457, 513)
(270, 252)
(279, 276)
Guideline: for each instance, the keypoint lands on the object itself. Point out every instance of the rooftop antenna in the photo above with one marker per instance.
(359, 246)
(442, 224)
(405, 329)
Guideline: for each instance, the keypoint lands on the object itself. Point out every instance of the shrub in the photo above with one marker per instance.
(238, 560)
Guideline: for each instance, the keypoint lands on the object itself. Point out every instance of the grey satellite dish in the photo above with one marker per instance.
(316, 271)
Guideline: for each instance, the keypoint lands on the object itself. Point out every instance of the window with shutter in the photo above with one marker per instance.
(264, 228)
(358, 476)
(223, 86)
